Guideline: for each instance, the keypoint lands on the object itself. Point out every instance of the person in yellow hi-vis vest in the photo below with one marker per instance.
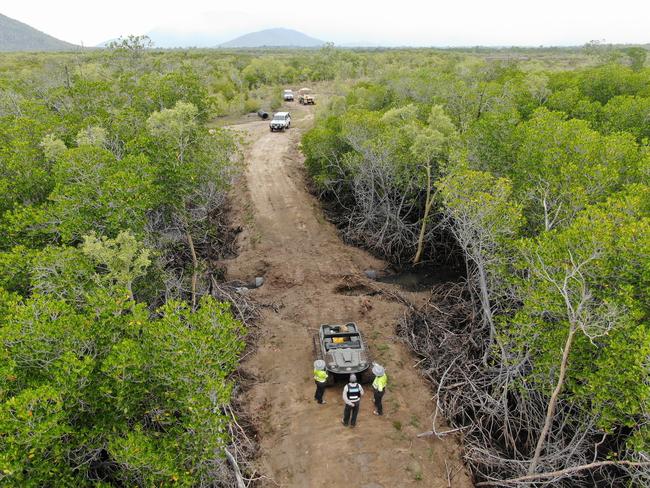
(320, 377)
(379, 387)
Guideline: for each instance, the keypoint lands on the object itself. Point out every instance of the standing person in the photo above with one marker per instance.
(379, 387)
(320, 377)
(352, 393)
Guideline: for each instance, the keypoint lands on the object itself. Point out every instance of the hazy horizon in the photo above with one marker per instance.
(409, 23)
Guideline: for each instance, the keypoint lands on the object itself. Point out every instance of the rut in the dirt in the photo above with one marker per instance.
(303, 444)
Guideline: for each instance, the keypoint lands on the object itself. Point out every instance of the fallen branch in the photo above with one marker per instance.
(563, 472)
(440, 434)
(235, 467)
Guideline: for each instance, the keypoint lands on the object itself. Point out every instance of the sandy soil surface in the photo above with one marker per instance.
(307, 269)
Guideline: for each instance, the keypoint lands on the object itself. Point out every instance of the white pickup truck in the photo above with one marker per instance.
(287, 95)
(280, 121)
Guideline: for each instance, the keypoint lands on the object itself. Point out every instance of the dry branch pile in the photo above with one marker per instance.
(499, 414)
(381, 213)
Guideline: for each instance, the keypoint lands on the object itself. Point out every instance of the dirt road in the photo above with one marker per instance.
(307, 269)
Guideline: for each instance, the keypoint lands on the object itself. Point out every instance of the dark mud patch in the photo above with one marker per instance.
(354, 290)
(419, 278)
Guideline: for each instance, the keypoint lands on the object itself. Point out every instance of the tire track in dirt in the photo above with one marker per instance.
(305, 264)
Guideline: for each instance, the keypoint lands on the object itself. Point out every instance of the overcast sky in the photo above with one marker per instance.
(383, 22)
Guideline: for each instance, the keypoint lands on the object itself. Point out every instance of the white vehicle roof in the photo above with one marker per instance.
(288, 91)
(280, 114)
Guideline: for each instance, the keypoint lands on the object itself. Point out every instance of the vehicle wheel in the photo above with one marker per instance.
(366, 376)
(318, 353)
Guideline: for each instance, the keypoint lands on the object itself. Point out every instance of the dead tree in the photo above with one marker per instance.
(428, 204)
(382, 216)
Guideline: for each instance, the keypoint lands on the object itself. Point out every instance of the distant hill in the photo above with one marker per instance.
(274, 38)
(16, 36)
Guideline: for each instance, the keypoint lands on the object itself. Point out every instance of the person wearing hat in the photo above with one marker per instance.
(379, 387)
(320, 377)
(352, 393)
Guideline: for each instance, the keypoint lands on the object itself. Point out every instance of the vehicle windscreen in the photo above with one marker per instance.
(342, 341)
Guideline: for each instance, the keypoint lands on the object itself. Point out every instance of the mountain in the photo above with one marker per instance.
(16, 36)
(274, 38)
(170, 39)
(206, 29)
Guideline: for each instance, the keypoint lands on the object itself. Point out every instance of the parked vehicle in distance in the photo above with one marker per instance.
(305, 97)
(280, 121)
(344, 351)
(287, 95)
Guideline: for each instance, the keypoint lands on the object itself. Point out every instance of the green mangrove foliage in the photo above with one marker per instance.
(538, 179)
(114, 368)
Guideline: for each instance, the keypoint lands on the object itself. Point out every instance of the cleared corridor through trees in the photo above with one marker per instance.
(312, 278)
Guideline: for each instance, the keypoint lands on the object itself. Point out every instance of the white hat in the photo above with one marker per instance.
(319, 364)
(377, 370)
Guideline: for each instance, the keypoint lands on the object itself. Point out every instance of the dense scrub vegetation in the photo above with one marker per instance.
(115, 360)
(537, 180)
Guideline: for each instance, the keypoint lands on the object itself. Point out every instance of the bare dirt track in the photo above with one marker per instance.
(307, 270)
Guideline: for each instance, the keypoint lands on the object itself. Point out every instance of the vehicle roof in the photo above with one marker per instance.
(288, 90)
(280, 114)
